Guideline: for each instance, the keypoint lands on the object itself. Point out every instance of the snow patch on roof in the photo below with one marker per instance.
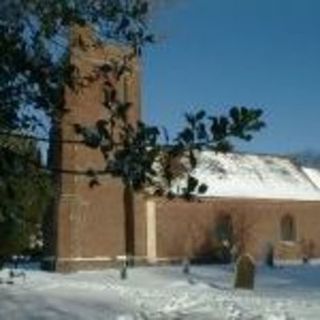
(250, 176)
(313, 174)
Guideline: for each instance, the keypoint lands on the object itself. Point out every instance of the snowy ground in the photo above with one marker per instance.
(291, 292)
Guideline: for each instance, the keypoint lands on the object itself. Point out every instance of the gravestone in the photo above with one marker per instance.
(124, 270)
(245, 272)
(186, 266)
(270, 255)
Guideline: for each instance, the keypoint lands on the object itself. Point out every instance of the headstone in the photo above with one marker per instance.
(124, 271)
(270, 255)
(186, 266)
(245, 272)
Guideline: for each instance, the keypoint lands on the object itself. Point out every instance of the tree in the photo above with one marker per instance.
(34, 49)
(35, 68)
(24, 191)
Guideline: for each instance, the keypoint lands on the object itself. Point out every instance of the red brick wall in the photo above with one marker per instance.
(185, 228)
(89, 222)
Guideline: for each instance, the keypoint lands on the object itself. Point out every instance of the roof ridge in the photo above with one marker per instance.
(259, 154)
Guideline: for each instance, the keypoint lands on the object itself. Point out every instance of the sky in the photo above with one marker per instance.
(214, 54)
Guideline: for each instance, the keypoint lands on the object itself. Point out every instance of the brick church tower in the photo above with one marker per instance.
(87, 227)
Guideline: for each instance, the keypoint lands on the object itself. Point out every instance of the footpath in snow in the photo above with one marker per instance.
(287, 293)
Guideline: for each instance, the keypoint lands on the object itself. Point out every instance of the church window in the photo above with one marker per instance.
(288, 228)
(224, 230)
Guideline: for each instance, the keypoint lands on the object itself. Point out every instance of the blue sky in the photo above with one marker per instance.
(213, 54)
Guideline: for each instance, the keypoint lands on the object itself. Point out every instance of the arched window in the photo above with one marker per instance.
(288, 228)
(224, 229)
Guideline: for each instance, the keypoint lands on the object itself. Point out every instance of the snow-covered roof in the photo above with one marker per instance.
(314, 175)
(251, 176)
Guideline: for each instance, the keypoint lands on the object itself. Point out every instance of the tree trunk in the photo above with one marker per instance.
(128, 200)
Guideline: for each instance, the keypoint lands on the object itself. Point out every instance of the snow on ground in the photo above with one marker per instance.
(286, 293)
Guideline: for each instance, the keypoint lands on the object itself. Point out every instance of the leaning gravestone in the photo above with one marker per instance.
(245, 271)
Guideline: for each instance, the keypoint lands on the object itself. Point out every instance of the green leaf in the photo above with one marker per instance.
(202, 189)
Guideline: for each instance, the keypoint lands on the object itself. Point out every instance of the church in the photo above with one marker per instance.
(255, 203)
